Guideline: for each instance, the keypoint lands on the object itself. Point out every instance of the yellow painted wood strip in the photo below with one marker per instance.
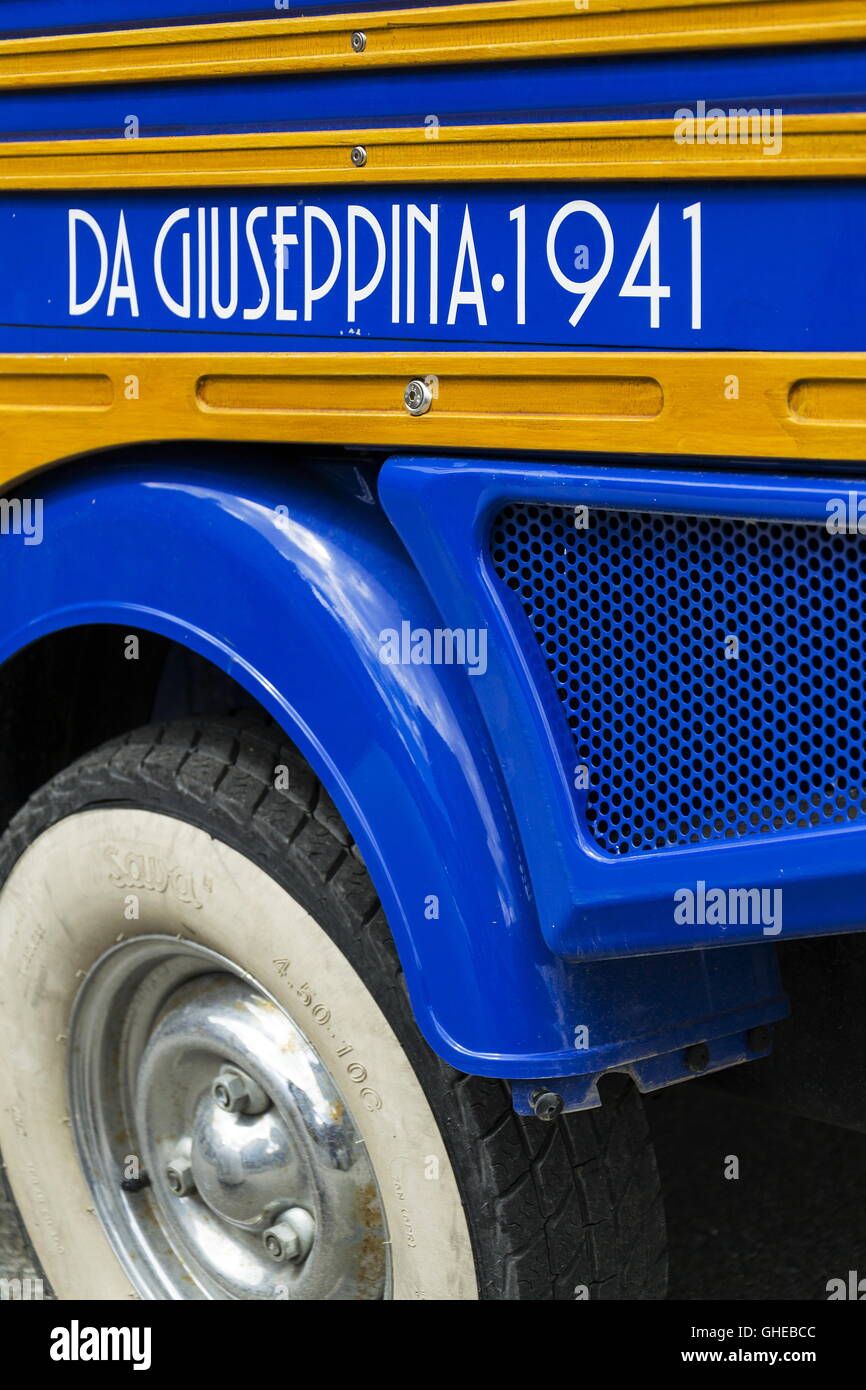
(517, 29)
(715, 404)
(613, 397)
(831, 145)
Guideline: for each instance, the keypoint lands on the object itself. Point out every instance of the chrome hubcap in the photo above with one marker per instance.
(258, 1184)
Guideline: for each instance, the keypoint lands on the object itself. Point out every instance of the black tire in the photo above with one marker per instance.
(553, 1208)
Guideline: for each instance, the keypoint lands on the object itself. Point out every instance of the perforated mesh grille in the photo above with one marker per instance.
(683, 744)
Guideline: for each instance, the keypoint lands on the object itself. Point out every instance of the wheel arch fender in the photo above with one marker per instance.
(286, 576)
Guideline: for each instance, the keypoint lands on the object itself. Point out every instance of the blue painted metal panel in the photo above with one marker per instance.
(69, 16)
(651, 85)
(592, 905)
(754, 265)
(293, 603)
(649, 1074)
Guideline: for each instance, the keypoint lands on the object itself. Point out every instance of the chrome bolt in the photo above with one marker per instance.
(359, 156)
(359, 41)
(290, 1238)
(417, 397)
(179, 1176)
(236, 1092)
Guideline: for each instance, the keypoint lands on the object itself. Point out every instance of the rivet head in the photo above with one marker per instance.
(417, 397)
(359, 156)
(359, 41)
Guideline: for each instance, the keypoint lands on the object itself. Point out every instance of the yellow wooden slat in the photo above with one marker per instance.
(785, 405)
(828, 145)
(516, 29)
(620, 397)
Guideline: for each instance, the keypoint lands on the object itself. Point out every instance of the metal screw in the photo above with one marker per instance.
(359, 41)
(417, 397)
(236, 1092)
(759, 1039)
(291, 1237)
(547, 1105)
(179, 1176)
(697, 1058)
(359, 156)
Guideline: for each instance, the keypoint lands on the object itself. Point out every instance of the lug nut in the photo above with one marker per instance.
(290, 1238)
(179, 1176)
(236, 1092)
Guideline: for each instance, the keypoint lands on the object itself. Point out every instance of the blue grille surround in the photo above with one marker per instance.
(687, 740)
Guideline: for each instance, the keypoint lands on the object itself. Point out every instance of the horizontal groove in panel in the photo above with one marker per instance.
(567, 397)
(828, 401)
(50, 391)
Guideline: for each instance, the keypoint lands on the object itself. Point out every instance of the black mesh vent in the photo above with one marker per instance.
(683, 744)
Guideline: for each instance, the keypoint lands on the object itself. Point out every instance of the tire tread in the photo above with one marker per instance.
(553, 1208)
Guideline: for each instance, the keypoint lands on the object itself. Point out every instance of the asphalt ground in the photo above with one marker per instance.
(794, 1218)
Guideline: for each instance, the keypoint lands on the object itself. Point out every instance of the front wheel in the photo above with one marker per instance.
(213, 1085)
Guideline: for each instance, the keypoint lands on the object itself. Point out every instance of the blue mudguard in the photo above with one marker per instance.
(286, 578)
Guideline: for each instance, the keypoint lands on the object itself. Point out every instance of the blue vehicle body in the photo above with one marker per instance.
(531, 953)
(175, 273)
(286, 583)
(595, 904)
